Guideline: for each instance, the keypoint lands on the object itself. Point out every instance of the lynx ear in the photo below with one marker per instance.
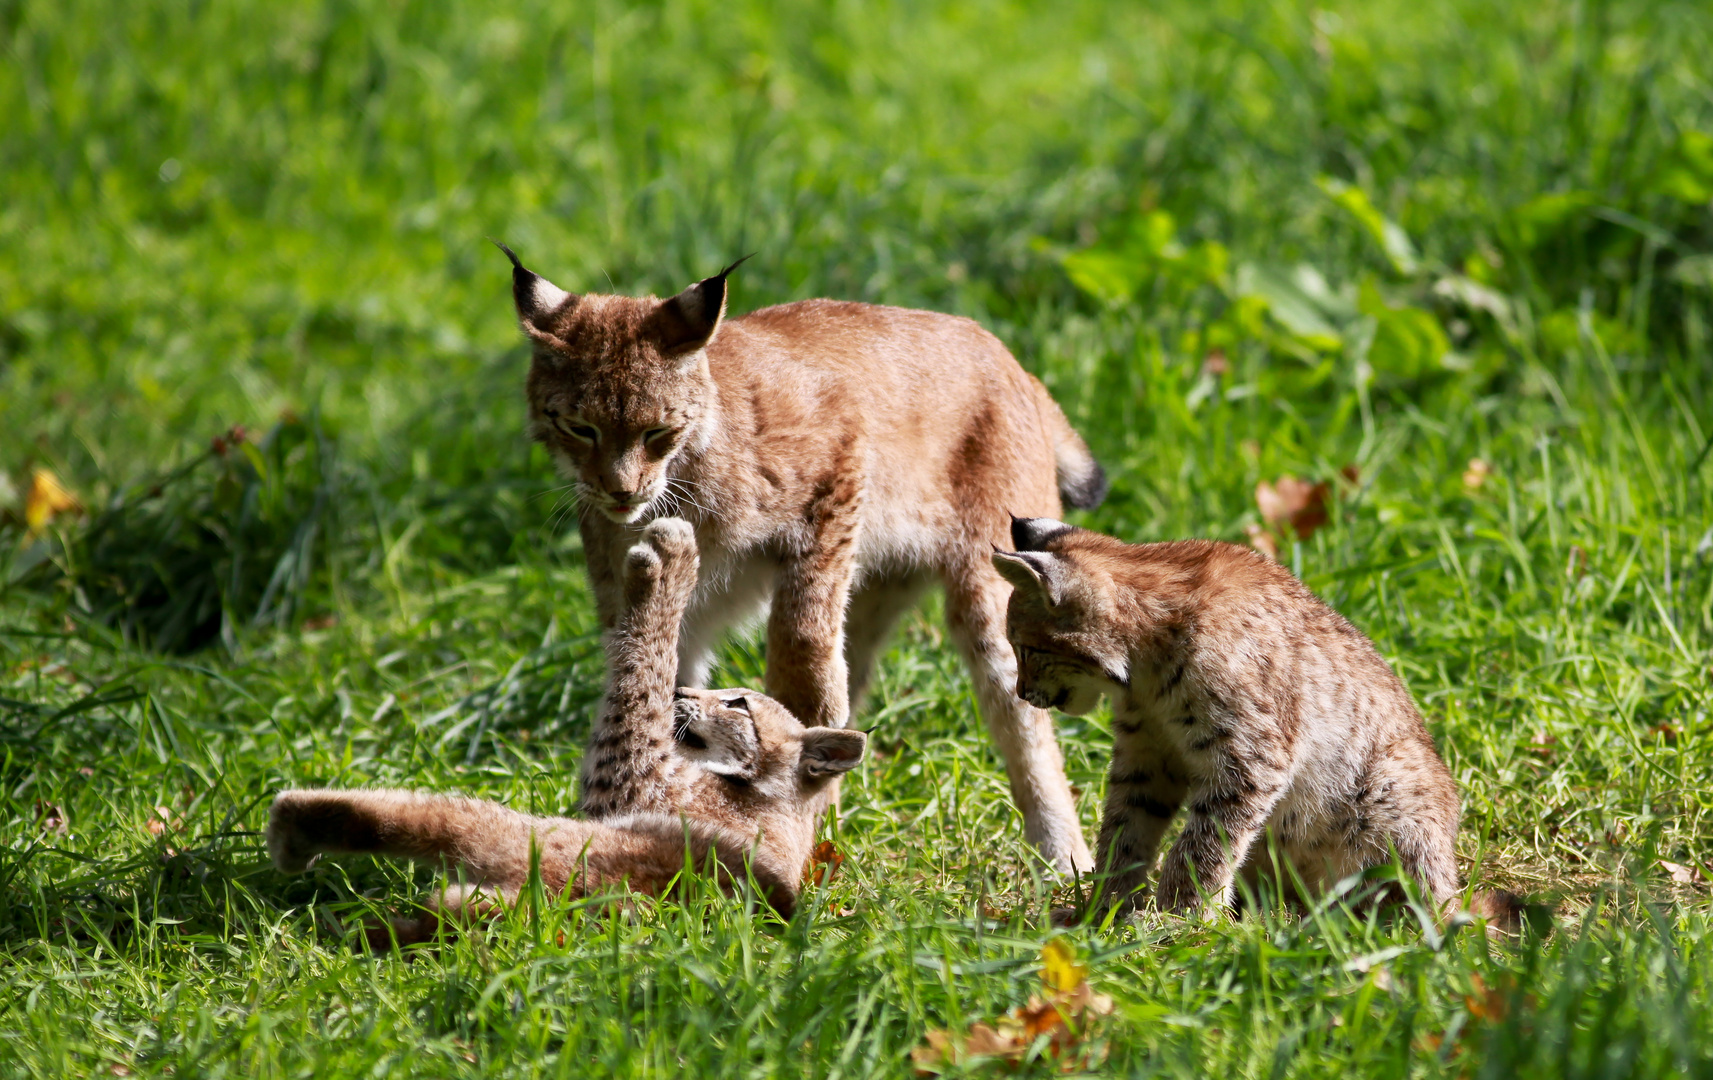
(687, 322)
(829, 751)
(1034, 571)
(1033, 534)
(534, 295)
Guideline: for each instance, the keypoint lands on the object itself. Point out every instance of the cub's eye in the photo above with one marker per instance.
(660, 437)
(584, 432)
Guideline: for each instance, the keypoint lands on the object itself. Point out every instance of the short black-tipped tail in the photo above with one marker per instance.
(1082, 482)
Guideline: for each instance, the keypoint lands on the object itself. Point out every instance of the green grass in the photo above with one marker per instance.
(1416, 234)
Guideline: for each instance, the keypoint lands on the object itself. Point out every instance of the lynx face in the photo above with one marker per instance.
(753, 741)
(619, 386)
(614, 441)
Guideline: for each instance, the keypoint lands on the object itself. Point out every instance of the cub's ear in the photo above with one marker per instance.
(829, 751)
(533, 294)
(1038, 572)
(687, 322)
(1033, 534)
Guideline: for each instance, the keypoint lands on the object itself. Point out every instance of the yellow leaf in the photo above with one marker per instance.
(47, 498)
(1059, 967)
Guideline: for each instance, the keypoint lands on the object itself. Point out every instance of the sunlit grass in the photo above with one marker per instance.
(1184, 218)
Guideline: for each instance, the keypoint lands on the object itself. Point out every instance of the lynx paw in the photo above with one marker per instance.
(665, 555)
(288, 847)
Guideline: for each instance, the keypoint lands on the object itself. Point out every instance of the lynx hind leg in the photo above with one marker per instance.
(975, 609)
(662, 563)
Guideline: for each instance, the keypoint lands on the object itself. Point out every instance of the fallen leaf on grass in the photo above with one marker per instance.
(1665, 730)
(1293, 502)
(50, 818)
(1683, 875)
(1486, 1003)
(162, 820)
(1262, 540)
(823, 863)
(46, 500)
(1064, 1017)
(1476, 475)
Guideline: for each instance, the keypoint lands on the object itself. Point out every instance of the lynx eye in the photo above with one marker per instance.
(659, 438)
(584, 432)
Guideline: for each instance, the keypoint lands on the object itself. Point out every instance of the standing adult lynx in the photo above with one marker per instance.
(1237, 692)
(721, 775)
(835, 460)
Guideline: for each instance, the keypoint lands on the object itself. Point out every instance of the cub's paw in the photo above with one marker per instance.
(288, 847)
(665, 558)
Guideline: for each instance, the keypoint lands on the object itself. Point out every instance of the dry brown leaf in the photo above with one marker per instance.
(1665, 730)
(1476, 475)
(1262, 540)
(1486, 1003)
(823, 863)
(50, 818)
(1293, 502)
(1352, 474)
(1683, 875)
(1215, 363)
(162, 820)
(1063, 1017)
(46, 500)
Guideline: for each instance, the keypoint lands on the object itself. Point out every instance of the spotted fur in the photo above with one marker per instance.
(835, 460)
(726, 777)
(1239, 698)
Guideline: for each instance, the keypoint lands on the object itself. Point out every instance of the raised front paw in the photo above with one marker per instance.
(665, 559)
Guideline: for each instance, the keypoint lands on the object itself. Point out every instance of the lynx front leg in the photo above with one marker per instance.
(975, 610)
(601, 544)
(1140, 803)
(1216, 839)
(806, 669)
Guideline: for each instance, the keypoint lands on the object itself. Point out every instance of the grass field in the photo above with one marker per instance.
(1361, 244)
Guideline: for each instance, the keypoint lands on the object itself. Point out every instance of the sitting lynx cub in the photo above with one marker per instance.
(722, 773)
(835, 459)
(1237, 692)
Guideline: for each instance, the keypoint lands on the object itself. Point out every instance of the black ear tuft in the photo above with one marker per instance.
(1034, 534)
(533, 294)
(687, 322)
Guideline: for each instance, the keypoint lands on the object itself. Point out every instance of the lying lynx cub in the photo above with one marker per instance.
(835, 459)
(1238, 693)
(722, 773)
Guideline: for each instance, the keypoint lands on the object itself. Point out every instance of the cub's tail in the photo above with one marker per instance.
(1082, 482)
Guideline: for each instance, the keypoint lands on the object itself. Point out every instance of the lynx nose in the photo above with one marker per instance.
(623, 496)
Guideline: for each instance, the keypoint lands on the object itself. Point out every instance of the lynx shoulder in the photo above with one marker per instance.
(1239, 696)
(728, 777)
(835, 460)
